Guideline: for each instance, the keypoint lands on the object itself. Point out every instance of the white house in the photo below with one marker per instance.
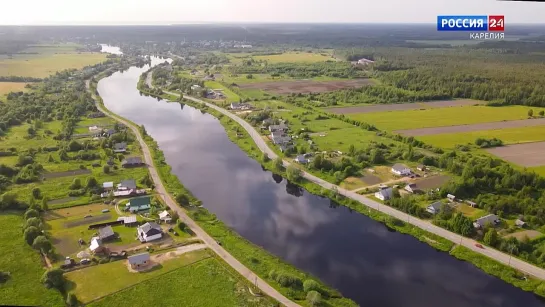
(195, 87)
(435, 207)
(401, 170)
(149, 232)
(384, 194)
(491, 219)
(451, 197)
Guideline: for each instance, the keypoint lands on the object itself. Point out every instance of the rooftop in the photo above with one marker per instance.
(129, 184)
(105, 232)
(399, 167)
(139, 258)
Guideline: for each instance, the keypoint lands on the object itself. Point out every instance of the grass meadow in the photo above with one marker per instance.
(7, 87)
(295, 57)
(206, 283)
(508, 136)
(23, 288)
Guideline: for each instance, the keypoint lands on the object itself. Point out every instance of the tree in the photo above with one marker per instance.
(30, 213)
(491, 237)
(76, 184)
(351, 150)
(541, 113)
(530, 113)
(42, 244)
(36, 193)
(71, 300)
(293, 173)
(33, 221)
(311, 285)
(54, 278)
(314, 298)
(8, 200)
(143, 130)
(278, 164)
(146, 180)
(106, 169)
(91, 182)
(30, 234)
(182, 199)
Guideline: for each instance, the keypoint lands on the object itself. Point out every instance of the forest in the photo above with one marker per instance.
(507, 73)
(300, 70)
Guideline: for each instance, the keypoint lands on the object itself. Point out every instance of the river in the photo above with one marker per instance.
(350, 252)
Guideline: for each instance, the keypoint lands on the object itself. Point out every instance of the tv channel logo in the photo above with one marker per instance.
(479, 23)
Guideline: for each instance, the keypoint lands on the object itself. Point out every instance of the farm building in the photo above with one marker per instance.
(301, 159)
(435, 207)
(149, 232)
(282, 127)
(129, 184)
(165, 216)
(128, 220)
(401, 169)
(106, 233)
(451, 197)
(472, 204)
(384, 194)
(139, 260)
(278, 137)
(96, 246)
(412, 188)
(490, 219)
(108, 186)
(120, 147)
(241, 106)
(132, 162)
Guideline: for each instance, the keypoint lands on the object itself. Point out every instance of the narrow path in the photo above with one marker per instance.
(499, 256)
(199, 232)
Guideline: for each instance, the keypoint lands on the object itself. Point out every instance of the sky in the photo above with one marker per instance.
(112, 12)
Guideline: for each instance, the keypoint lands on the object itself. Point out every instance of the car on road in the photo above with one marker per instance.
(479, 245)
(85, 261)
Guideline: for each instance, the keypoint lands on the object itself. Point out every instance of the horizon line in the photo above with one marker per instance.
(231, 23)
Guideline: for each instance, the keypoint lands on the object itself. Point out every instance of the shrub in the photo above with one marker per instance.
(30, 214)
(287, 280)
(71, 300)
(33, 222)
(314, 298)
(54, 278)
(30, 234)
(273, 274)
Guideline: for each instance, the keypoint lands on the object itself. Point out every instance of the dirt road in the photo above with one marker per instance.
(426, 225)
(199, 232)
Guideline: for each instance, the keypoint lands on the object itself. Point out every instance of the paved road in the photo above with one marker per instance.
(426, 225)
(199, 232)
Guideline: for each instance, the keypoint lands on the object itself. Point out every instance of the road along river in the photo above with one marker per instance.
(362, 258)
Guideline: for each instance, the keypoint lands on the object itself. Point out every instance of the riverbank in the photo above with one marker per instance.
(486, 264)
(270, 268)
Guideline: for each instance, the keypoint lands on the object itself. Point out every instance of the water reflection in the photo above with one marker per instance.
(358, 256)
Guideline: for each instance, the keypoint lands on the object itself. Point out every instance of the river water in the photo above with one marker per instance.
(352, 253)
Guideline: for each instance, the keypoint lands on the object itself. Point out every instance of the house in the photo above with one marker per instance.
(138, 204)
(194, 71)
(278, 137)
(282, 127)
(120, 147)
(106, 233)
(451, 197)
(365, 61)
(94, 128)
(109, 132)
(149, 232)
(384, 194)
(285, 147)
(108, 186)
(435, 207)
(401, 170)
(301, 159)
(132, 162)
(165, 217)
(520, 223)
(471, 204)
(491, 219)
(96, 246)
(209, 78)
(412, 188)
(139, 260)
(421, 167)
(241, 106)
(195, 87)
(129, 184)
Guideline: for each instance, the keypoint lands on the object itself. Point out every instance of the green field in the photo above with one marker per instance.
(295, 57)
(465, 115)
(231, 96)
(508, 136)
(24, 264)
(48, 60)
(206, 283)
(88, 284)
(341, 139)
(7, 87)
